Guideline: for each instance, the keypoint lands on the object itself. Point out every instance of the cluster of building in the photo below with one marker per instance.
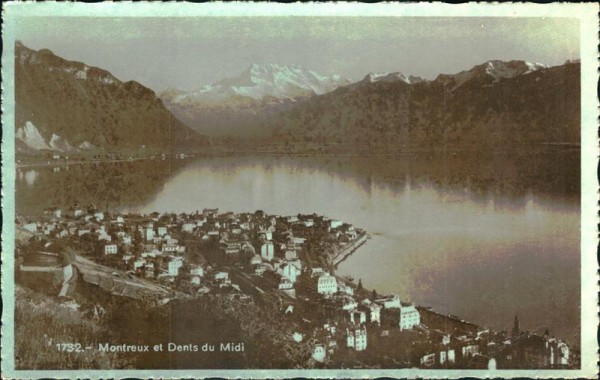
(352, 317)
(436, 340)
(149, 245)
(139, 243)
(455, 343)
(270, 253)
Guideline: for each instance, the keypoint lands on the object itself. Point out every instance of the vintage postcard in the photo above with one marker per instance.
(250, 190)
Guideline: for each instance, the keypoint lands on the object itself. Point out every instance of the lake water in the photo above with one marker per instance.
(478, 241)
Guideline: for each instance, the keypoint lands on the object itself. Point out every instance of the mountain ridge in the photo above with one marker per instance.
(260, 81)
(490, 105)
(236, 105)
(68, 105)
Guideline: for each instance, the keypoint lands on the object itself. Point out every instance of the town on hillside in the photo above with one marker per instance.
(287, 261)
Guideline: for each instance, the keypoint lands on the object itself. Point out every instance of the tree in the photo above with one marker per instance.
(516, 331)
(374, 295)
(137, 248)
(183, 277)
(360, 286)
(157, 266)
(142, 271)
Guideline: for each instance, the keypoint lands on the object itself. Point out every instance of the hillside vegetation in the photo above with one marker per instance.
(80, 104)
(541, 107)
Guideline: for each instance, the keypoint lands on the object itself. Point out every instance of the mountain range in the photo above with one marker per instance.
(68, 106)
(63, 105)
(238, 105)
(493, 105)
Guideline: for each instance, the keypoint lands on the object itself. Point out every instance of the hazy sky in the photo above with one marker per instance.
(189, 52)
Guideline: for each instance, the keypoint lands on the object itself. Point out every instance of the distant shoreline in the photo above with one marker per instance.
(38, 161)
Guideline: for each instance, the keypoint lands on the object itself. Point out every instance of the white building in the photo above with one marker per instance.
(255, 260)
(151, 253)
(290, 254)
(315, 272)
(110, 249)
(563, 353)
(335, 223)
(391, 302)
(428, 360)
(358, 316)
(149, 232)
(342, 287)
(161, 231)
(169, 248)
(174, 266)
(447, 356)
(327, 284)
(267, 251)
(48, 228)
(31, 227)
(291, 272)
(104, 236)
(188, 227)
(375, 313)
(285, 284)
(297, 241)
(260, 269)
(99, 216)
(357, 338)
(197, 271)
(349, 304)
(319, 353)
(470, 350)
(409, 316)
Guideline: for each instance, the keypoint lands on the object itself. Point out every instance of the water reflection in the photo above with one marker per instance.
(109, 186)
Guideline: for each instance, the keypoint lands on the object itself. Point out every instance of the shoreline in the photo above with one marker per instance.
(349, 250)
(38, 161)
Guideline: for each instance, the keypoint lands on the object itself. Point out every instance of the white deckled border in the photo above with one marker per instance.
(587, 14)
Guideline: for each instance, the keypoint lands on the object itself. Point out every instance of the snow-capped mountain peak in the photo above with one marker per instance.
(392, 77)
(269, 80)
(494, 69)
(501, 69)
